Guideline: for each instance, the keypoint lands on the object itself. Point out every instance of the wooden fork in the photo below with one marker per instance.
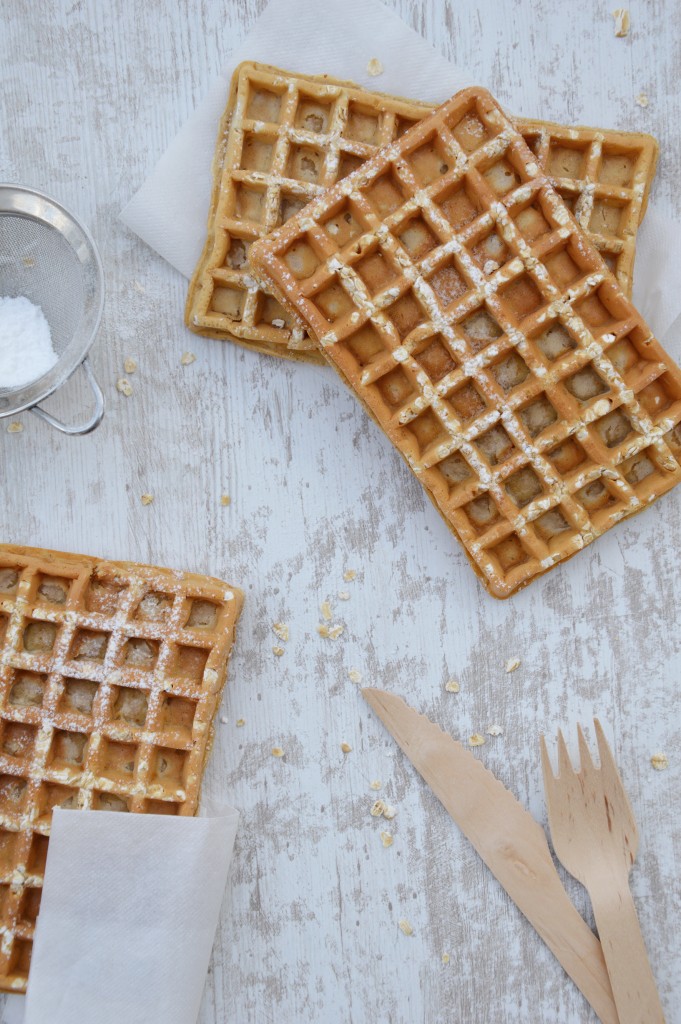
(594, 835)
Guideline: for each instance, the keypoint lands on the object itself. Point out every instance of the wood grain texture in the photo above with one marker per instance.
(91, 94)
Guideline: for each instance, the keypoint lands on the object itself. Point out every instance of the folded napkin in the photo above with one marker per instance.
(127, 918)
(339, 38)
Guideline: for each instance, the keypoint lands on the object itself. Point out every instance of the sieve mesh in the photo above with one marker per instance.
(36, 261)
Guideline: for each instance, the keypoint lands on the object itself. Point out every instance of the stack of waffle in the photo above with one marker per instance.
(469, 278)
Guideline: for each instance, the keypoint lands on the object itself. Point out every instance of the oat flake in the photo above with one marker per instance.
(129, 365)
(147, 499)
(240, 722)
(355, 675)
(281, 630)
(376, 784)
(659, 762)
(476, 740)
(124, 386)
(512, 664)
(15, 427)
(346, 748)
(386, 839)
(277, 752)
(374, 67)
(278, 651)
(188, 358)
(225, 500)
(495, 730)
(405, 927)
(349, 575)
(622, 22)
(452, 686)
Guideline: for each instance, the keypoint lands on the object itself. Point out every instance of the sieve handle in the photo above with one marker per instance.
(78, 428)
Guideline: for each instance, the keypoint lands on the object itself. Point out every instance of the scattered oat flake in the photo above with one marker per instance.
(124, 386)
(225, 500)
(349, 575)
(325, 609)
(277, 752)
(642, 100)
(278, 651)
(376, 784)
(405, 927)
(323, 630)
(622, 22)
(445, 958)
(346, 748)
(129, 365)
(476, 740)
(343, 595)
(240, 723)
(512, 664)
(495, 730)
(374, 67)
(377, 809)
(147, 499)
(15, 427)
(451, 686)
(278, 322)
(389, 812)
(335, 632)
(281, 630)
(355, 675)
(224, 720)
(659, 762)
(386, 839)
(187, 358)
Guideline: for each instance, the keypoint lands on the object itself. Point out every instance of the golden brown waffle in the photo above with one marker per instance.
(450, 286)
(110, 677)
(286, 137)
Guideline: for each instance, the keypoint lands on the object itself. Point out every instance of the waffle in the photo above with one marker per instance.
(110, 676)
(450, 286)
(270, 161)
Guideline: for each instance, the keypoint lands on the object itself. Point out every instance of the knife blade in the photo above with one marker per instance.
(509, 840)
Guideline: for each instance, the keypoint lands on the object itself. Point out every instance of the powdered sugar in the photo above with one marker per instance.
(26, 351)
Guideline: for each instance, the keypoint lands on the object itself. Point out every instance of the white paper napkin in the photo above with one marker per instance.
(339, 37)
(127, 917)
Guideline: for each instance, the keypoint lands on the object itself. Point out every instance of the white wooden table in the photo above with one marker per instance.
(91, 94)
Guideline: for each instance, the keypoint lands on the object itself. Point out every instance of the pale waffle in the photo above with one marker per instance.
(110, 677)
(523, 388)
(286, 137)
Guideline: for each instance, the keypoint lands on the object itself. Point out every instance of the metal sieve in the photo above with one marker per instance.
(49, 257)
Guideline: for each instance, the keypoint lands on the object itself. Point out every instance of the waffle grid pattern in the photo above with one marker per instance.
(110, 676)
(604, 177)
(286, 137)
(450, 286)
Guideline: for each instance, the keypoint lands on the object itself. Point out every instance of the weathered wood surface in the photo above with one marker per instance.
(91, 94)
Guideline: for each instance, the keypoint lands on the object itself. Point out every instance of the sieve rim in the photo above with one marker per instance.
(32, 204)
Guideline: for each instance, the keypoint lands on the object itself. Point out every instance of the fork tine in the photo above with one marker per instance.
(585, 759)
(564, 763)
(604, 751)
(547, 770)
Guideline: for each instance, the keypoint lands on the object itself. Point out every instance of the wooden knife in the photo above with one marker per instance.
(511, 843)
